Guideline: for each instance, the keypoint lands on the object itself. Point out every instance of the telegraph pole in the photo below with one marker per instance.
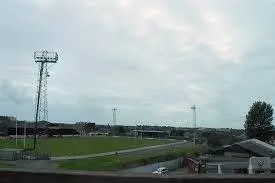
(16, 132)
(141, 134)
(43, 58)
(25, 129)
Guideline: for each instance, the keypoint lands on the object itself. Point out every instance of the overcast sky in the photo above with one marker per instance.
(151, 59)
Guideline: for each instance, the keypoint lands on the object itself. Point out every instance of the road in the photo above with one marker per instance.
(180, 171)
(128, 151)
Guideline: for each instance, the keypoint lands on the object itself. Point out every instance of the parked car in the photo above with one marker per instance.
(161, 170)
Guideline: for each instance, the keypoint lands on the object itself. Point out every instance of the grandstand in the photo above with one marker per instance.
(44, 128)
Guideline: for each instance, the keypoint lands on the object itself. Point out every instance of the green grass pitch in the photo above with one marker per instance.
(82, 145)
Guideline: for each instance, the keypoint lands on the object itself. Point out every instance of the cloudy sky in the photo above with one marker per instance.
(152, 59)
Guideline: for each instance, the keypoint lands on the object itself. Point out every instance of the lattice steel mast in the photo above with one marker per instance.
(194, 115)
(41, 107)
(114, 116)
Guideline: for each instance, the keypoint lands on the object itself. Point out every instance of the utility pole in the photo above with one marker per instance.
(141, 132)
(25, 129)
(136, 133)
(16, 132)
(43, 58)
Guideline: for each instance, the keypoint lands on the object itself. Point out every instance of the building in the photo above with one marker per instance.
(246, 149)
(235, 158)
(8, 128)
(55, 129)
(150, 133)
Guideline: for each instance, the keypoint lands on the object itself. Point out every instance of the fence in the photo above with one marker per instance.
(33, 155)
(9, 154)
(171, 165)
(15, 154)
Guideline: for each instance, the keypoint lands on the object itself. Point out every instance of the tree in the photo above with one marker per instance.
(89, 127)
(121, 130)
(258, 122)
(85, 127)
(216, 139)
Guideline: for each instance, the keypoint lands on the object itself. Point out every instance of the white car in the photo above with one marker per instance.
(161, 170)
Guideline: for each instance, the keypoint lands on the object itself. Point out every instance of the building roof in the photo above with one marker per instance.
(149, 131)
(21, 124)
(259, 147)
(251, 146)
(40, 124)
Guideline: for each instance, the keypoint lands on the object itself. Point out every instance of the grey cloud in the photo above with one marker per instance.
(151, 59)
(11, 93)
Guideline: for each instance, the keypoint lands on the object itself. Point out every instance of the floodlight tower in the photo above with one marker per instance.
(114, 120)
(195, 115)
(41, 108)
(114, 116)
(195, 123)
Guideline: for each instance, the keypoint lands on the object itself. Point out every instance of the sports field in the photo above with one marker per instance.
(82, 145)
(119, 162)
(6, 165)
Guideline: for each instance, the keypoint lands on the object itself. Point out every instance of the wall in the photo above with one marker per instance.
(234, 154)
(171, 165)
(9, 176)
(8, 155)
